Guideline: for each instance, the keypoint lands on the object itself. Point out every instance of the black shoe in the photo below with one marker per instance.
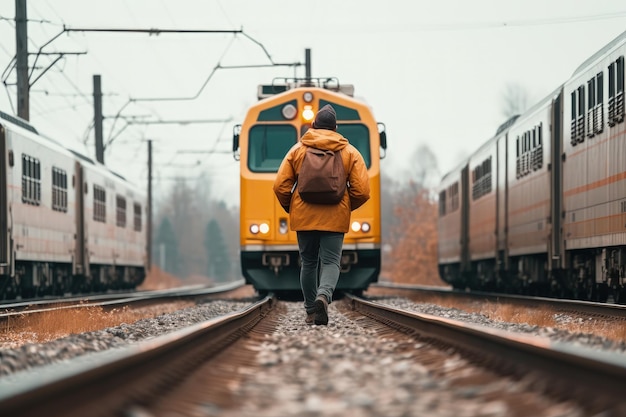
(310, 318)
(321, 310)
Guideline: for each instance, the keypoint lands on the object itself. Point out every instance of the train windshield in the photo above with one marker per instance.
(359, 137)
(268, 145)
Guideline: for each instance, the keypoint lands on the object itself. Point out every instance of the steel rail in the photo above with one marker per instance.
(109, 301)
(563, 369)
(615, 311)
(107, 383)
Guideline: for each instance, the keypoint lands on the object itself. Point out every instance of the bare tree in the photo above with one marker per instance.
(514, 100)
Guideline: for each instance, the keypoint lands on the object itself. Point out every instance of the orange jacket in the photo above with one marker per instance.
(331, 218)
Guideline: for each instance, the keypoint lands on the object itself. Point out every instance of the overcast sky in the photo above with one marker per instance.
(433, 71)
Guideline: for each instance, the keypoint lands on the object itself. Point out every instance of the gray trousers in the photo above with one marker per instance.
(323, 248)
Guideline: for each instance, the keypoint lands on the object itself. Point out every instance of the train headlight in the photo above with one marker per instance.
(289, 111)
(308, 114)
(256, 228)
(307, 97)
(282, 228)
(360, 227)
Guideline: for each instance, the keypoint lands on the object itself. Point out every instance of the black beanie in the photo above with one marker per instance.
(326, 118)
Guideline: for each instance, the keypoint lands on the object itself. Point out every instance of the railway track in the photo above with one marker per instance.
(586, 308)
(115, 300)
(229, 365)
(113, 381)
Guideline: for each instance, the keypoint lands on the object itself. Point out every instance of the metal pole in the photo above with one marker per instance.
(97, 117)
(21, 54)
(149, 222)
(307, 65)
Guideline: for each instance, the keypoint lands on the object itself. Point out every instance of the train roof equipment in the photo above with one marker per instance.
(280, 85)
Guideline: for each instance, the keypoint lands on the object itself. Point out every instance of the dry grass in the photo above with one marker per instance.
(46, 326)
(43, 327)
(543, 317)
(158, 280)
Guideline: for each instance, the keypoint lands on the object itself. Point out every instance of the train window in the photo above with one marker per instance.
(530, 157)
(359, 136)
(99, 203)
(31, 180)
(481, 178)
(616, 92)
(137, 217)
(595, 108)
(268, 145)
(59, 189)
(577, 131)
(591, 97)
(442, 203)
(453, 191)
(343, 112)
(275, 114)
(120, 211)
(449, 199)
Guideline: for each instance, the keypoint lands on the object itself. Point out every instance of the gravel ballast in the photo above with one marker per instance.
(343, 367)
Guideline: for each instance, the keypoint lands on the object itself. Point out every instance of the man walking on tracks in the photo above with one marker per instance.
(321, 221)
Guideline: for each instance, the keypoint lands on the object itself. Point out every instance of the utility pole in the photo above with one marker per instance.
(21, 53)
(149, 220)
(97, 117)
(307, 65)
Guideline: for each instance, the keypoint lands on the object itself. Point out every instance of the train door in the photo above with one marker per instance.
(4, 208)
(502, 204)
(466, 267)
(556, 245)
(81, 261)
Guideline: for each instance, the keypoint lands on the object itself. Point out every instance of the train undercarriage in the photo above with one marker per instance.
(592, 275)
(279, 272)
(36, 279)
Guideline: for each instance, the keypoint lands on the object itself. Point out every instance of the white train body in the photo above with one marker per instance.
(66, 222)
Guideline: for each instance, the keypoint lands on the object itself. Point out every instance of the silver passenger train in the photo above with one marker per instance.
(67, 223)
(540, 208)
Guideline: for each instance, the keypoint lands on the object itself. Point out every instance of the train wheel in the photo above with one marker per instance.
(615, 293)
(587, 292)
(603, 292)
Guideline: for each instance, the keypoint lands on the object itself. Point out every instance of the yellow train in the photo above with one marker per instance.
(269, 250)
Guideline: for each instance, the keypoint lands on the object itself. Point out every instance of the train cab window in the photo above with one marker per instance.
(268, 145)
(137, 217)
(31, 180)
(359, 136)
(59, 189)
(120, 211)
(99, 203)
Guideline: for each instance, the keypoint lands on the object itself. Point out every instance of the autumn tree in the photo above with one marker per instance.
(410, 220)
(411, 255)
